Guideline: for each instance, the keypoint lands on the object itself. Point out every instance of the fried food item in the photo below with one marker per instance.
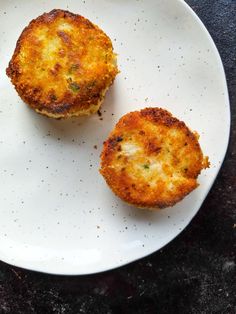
(151, 159)
(63, 65)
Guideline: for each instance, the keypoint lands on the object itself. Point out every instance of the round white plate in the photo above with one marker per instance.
(57, 214)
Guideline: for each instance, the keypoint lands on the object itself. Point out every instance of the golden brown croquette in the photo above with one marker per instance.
(63, 65)
(152, 159)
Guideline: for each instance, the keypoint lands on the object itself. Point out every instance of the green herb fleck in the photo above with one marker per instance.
(74, 87)
(146, 166)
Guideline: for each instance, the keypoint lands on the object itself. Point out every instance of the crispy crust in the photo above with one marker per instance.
(63, 65)
(151, 159)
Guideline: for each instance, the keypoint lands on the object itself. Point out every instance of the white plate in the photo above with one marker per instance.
(57, 215)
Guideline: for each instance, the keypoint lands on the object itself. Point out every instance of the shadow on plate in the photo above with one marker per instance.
(86, 128)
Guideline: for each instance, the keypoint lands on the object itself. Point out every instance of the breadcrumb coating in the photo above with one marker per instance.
(63, 65)
(152, 159)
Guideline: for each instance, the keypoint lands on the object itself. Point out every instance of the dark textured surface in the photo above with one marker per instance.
(195, 273)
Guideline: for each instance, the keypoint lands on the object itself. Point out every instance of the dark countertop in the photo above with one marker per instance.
(195, 273)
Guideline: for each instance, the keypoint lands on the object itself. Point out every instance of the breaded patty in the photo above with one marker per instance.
(63, 65)
(152, 159)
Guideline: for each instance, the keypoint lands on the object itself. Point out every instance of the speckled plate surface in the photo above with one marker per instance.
(56, 213)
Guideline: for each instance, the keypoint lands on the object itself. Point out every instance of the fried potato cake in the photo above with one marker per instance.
(151, 159)
(63, 65)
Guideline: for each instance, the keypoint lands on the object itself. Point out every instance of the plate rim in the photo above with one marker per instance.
(119, 264)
